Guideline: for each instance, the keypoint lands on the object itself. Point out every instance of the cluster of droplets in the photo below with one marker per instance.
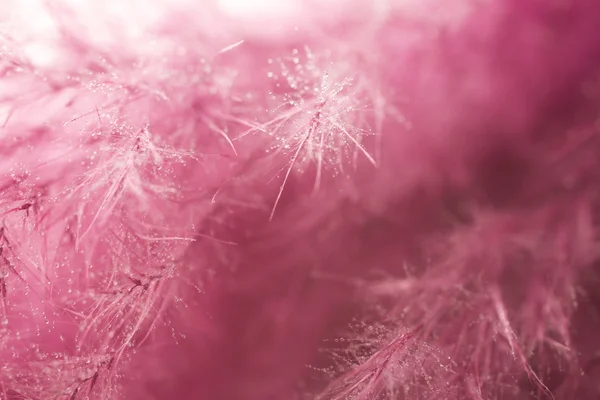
(320, 110)
(380, 361)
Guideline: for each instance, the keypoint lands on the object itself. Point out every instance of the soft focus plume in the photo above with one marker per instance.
(299, 199)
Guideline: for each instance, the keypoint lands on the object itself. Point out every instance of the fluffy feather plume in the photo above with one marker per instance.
(332, 200)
